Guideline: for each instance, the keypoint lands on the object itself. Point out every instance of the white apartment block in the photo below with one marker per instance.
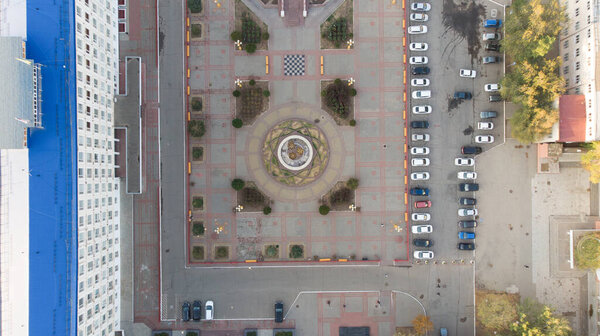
(98, 195)
(578, 47)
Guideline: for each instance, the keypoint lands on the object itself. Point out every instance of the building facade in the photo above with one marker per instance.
(98, 286)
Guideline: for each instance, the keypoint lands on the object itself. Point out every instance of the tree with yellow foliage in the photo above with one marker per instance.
(536, 319)
(422, 324)
(591, 162)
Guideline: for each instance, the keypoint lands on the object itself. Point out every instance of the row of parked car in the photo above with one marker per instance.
(194, 311)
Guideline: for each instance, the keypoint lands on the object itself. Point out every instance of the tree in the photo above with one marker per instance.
(352, 183)
(536, 319)
(591, 162)
(195, 6)
(236, 36)
(237, 184)
(267, 210)
(422, 324)
(324, 210)
(496, 311)
(250, 48)
(237, 123)
(236, 93)
(587, 251)
(198, 229)
(196, 104)
(266, 93)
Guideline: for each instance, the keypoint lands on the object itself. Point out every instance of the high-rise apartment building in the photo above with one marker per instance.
(96, 67)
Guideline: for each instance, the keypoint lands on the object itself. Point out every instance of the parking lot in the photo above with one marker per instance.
(456, 44)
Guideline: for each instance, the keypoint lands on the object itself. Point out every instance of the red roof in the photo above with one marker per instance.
(572, 118)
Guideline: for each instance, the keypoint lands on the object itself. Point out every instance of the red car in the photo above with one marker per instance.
(422, 204)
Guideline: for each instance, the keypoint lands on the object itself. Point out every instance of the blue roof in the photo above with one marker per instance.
(53, 164)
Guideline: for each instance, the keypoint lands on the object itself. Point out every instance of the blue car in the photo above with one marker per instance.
(466, 235)
(419, 191)
(443, 332)
(492, 23)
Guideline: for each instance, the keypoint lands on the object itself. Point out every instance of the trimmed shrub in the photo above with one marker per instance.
(266, 93)
(296, 251)
(195, 6)
(252, 82)
(235, 36)
(198, 202)
(353, 92)
(196, 30)
(352, 183)
(198, 229)
(265, 36)
(237, 123)
(352, 122)
(250, 48)
(222, 252)
(198, 252)
(337, 81)
(197, 153)
(196, 128)
(196, 104)
(267, 210)
(236, 93)
(324, 210)
(237, 184)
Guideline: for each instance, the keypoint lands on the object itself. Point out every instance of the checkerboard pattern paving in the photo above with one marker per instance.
(293, 65)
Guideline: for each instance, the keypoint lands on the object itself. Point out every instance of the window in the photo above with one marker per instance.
(577, 65)
(565, 44)
(565, 69)
(576, 53)
(577, 38)
(576, 11)
(589, 19)
(577, 25)
(588, 5)
(566, 57)
(577, 79)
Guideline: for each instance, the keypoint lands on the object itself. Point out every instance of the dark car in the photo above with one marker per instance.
(279, 312)
(462, 95)
(466, 246)
(468, 186)
(185, 312)
(419, 124)
(421, 70)
(495, 98)
(196, 310)
(467, 224)
(490, 59)
(488, 114)
(470, 150)
(422, 242)
(492, 47)
(419, 191)
(467, 201)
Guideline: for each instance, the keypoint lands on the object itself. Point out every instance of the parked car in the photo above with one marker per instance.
(470, 150)
(467, 212)
(419, 82)
(419, 124)
(420, 7)
(488, 114)
(417, 191)
(420, 29)
(491, 36)
(423, 228)
(185, 312)
(443, 332)
(418, 60)
(419, 150)
(485, 125)
(466, 246)
(422, 204)
(209, 310)
(466, 175)
(421, 17)
(463, 95)
(421, 109)
(492, 23)
(467, 73)
(418, 46)
(495, 98)
(196, 310)
(420, 70)
(494, 87)
(278, 312)
(423, 254)
(420, 217)
(464, 162)
(467, 201)
(419, 176)
(419, 242)
(484, 139)
(467, 224)
(419, 162)
(466, 235)
(468, 186)
(490, 59)
(421, 94)
(420, 137)
(492, 47)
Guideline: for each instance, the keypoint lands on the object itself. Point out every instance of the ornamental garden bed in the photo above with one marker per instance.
(250, 29)
(221, 253)
(198, 154)
(198, 228)
(296, 251)
(270, 251)
(337, 29)
(196, 104)
(340, 197)
(252, 198)
(198, 253)
(252, 100)
(197, 31)
(337, 99)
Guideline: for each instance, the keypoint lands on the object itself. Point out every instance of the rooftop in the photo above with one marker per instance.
(572, 118)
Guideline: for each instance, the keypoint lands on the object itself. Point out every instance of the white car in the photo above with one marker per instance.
(419, 82)
(492, 87)
(467, 73)
(421, 109)
(418, 60)
(485, 125)
(421, 94)
(419, 162)
(419, 150)
(491, 36)
(465, 175)
(484, 139)
(420, 137)
(420, 29)
(423, 254)
(420, 217)
(418, 46)
(421, 17)
(419, 176)
(467, 212)
(423, 228)
(209, 310)
(464, 162)
(420, 6)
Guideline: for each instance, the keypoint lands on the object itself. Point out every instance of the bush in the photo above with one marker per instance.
(337, 81)
(196, 30)
(323, 93)
(196, 128)
(237, 123)
(267, 210)
(236, 36)
(252, 82)
(353, 92)
(198, 202)
(324, 210)
(222, 252)
(197, 153)
(250, 48)
(272, 251)
(352, 183)
(195, 6)
(337, 98)
(237, 184)
(196, 104)
(338, 31)
(236, 93)
(191, 333)
(296, 251)
(198, 252)
(198, 229)
(352, 122)
(266, 93)
(265, 36)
